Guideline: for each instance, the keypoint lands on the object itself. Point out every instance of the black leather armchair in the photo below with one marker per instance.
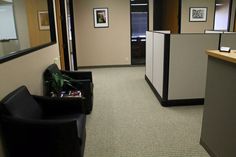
(83, 81)
(34, 126)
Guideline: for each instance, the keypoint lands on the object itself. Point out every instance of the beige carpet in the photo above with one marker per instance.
(128, 121)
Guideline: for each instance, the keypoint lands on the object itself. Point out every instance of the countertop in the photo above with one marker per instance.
(229, 57)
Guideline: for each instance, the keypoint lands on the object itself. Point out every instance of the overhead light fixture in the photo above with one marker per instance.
(141, 4)
(9, 1)
(219, 4)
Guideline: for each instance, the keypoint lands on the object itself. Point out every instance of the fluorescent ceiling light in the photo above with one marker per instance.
(7, 0)
(219, 4)
(142, 4)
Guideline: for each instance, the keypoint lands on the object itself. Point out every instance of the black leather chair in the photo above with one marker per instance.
(82, 80)
(34, 126)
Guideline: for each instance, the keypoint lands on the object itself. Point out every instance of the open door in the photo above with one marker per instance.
(139, 26)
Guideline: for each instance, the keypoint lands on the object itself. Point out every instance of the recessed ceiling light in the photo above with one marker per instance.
(219, 4)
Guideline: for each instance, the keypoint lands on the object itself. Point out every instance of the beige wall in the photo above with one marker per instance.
(197, 27)
(102, 46)
(26, 70)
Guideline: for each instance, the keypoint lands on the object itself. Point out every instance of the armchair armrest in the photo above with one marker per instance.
(59, 128)
(79, 75)
(61, 106)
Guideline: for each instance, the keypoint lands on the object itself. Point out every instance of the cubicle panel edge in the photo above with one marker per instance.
(149, 55)
(158, 62)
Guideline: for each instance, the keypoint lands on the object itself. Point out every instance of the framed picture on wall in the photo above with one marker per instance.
(198, 14)
(100, 16)
(43, 20)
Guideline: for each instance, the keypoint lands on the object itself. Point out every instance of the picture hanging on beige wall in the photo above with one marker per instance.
(43, 20)
(100, 17)
(198, 14)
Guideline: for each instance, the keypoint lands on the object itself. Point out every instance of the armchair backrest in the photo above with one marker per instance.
(21, 104)
(47, 76)
(53, 68)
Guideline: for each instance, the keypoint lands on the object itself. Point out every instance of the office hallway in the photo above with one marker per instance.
(128, 121)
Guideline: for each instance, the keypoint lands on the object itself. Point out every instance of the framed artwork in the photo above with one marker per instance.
(100, 16)
(198, 14)
(43, 20)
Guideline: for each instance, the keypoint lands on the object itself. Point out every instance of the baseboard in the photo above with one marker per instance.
(177, 102)
(209, 151)
(162, 102)
(109, 66)
(185, 102)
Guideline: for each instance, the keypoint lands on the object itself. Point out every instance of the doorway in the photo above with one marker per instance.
(66, 34)
(139, 26)
(167, 14)
(222, 15)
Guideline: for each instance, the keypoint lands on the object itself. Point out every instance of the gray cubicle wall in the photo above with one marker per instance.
(177, 66)
(229, 40)
(188, 64)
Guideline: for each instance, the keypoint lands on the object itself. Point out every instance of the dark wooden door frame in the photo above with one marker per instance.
(64, 34)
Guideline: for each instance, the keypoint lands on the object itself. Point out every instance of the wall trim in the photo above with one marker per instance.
(24, 52)
(110, 66)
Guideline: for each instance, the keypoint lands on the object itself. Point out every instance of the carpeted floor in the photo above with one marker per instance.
(128, 121)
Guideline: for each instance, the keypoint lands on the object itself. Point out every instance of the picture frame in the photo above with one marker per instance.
(198, 14)
(43, 20)
(100, 17)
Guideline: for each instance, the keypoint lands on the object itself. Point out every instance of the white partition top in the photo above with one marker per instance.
(162, 31)
(213, 31)
(188, 64)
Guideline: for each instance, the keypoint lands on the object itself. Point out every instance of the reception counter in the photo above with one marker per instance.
(218, 134)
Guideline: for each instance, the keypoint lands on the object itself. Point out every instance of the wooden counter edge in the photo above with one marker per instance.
(229, 57)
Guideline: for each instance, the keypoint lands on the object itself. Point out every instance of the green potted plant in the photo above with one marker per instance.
(57, 82)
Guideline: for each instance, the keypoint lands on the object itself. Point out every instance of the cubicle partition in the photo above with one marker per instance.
(229, 40)
(176, 66)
